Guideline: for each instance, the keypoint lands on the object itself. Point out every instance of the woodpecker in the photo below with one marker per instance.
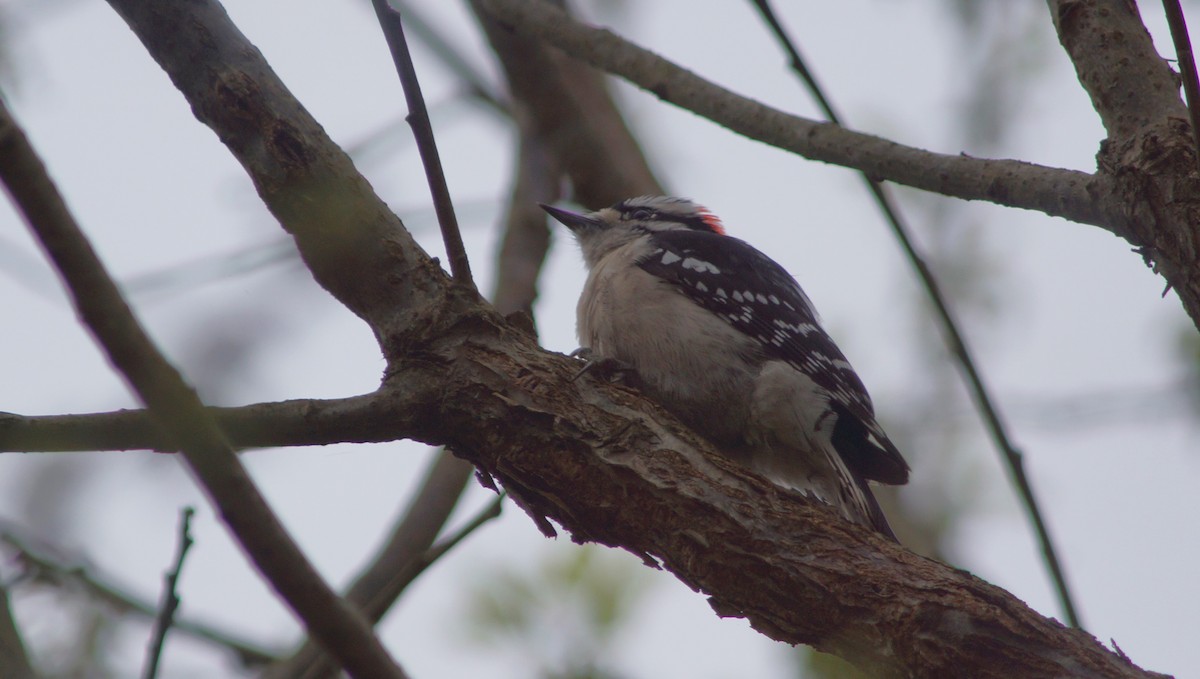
(724, 338)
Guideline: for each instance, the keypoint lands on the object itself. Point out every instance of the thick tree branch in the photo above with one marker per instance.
(1131, 86)
(791, 568)
(177, 409)
(1187, 65)
(353, 244)
(1077, 196)
(605, 464)
(1149, 150)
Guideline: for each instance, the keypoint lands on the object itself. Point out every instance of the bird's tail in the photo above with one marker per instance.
(874, 512)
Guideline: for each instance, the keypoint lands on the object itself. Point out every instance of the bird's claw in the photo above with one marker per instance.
(607, 369)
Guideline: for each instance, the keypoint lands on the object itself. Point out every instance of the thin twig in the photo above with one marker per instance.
(452, 57)
(492, 511)
(405, 576)
(954, 338)
(412, 570)
(170, 597)
(53, 571)
(1187, 66)
(179, 411)
(418, 118)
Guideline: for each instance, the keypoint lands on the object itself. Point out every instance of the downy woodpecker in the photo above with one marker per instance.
(723, 337)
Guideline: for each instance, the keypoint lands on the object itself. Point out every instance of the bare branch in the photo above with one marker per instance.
(450, 55)
(1131, 86)
(55, 572)
(170, 598)
(177, 409)
(405, 555)
(1187, 65)
(957, 343)
(1064, 193)
(526, 235)
(353, 244)
(300, 422)
(790, 567)
(1150, 149)
(418, 118)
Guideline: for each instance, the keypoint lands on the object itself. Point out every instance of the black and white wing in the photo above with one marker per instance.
(733, 280)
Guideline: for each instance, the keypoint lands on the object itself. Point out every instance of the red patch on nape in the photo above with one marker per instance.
(712, 221)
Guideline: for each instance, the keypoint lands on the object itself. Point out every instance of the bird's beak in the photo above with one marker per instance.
(573, 221)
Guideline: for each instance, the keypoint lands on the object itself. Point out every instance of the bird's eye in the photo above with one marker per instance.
(642, 213)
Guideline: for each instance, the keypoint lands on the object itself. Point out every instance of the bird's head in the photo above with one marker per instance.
(606, 229)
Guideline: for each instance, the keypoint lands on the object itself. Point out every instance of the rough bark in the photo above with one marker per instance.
(1149, 151)
(613, 469)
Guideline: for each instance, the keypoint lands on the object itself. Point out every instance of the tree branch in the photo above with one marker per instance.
(452, 57)
(1131, 86)
(795, 571)
(300, 422)
(1077, 196)
(1150, 149)
(354, 245)
(418, 119)
(55, 572)
(170, 597)
(178, 410)
(1187, 65)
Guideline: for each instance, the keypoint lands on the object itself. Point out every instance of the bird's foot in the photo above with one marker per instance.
(607, 369)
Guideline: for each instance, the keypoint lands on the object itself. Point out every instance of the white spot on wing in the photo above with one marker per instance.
(670, 258)
(700, 265)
